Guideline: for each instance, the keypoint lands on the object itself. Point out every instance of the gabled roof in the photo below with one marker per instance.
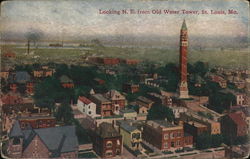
(19, 77)
(145, 100)
(237, 119)
(16, 130)
(114, 95)
(56, 139)
(106, 130)
(65, 79)
(84, 100)
(100, 98)
(128, 128)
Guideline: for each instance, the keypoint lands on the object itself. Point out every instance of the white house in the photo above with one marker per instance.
(86, 106)
(178, 110)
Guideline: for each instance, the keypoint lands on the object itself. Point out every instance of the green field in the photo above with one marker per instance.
(225, 58)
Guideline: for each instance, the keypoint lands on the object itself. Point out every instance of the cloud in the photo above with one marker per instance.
(79, 18)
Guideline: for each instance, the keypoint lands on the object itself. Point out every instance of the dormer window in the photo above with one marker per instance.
(109, 144)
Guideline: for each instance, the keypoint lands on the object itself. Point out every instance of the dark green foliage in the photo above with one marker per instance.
(206, 140)
(64, 114)
(221, 101)
(200, 68)
(48, 92)
(160, 112)
(82, 134)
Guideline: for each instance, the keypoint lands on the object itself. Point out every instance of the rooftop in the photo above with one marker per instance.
(196, 124)
(160, 123)
(106, 130)
(100, 98)
(145, 100)
(84, 100)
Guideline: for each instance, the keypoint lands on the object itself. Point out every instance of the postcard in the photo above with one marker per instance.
(125, 79)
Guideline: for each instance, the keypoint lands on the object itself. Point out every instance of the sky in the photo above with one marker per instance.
(75, 19)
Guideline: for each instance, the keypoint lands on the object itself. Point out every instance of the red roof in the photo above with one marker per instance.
(84, 100)
(238, 118)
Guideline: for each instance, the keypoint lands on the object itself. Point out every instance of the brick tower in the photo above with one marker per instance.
(183, 86)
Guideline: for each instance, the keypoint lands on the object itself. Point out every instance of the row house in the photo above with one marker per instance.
(21, 79)
(66, 82)
(143, 101)
(234, 124)
(53, 142)
(214, 127)
(241, 98)
(165, 135)
(111, 61)
(107, 142)
(130, 61)
(160, 99)
(132, 136)
(42, 73)
(36, 121)
(11, 99)
(130, 88)
(218, 79)
(86, 106)
(103, 105)
(195, 128)
(117, 99)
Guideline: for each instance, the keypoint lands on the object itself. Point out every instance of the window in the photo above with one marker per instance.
(178, 143)
(172, 144)
(136, 136)
(16, 141)
(165, 145)
(118, 151)
(109, 153)
(89, 112)
(109, 144)
(118, 142)
(165, 136)
(171, 135)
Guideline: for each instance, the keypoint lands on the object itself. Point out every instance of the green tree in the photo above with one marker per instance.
(160, 112)
(200, 68)
(64, 114)
(204, 141)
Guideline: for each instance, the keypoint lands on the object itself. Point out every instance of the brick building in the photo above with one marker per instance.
(37, 121)
(143, 101)
(195, 129)
(130, 88)
(107, 142)
(165, 135)
(103, 105)
(117, 99)
(111, 61)
(56, 142)
(66, 82)
(234, 124)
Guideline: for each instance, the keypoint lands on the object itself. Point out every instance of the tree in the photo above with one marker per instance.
(160, 112)
(207, 140)
(64, 113)
(200, 68)
(203, 141)
(48, 92)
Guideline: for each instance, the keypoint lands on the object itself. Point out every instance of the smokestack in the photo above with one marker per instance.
(28, 47)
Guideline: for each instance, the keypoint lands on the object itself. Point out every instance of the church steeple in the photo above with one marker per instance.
(184, 26)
